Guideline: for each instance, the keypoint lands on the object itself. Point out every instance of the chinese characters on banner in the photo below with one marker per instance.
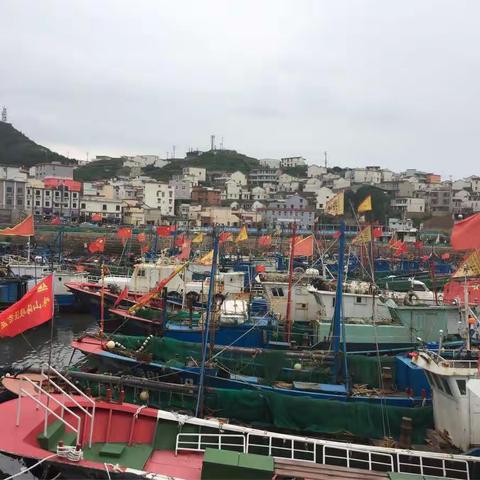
(33, 309)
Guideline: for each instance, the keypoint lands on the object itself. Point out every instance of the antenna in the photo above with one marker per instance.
(325, 154)
(173, 149)
(4, 114)
(212, 142)
(221, 144)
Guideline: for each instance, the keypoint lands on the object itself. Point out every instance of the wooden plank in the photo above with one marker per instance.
(316, 471)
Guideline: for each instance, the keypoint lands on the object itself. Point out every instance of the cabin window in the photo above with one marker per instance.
(333, 301)
(141, 272)
(434, 381)
(462, 386)
(446, 386)
(418, 288)
(277, 292)
(301, 306)
(358, 299)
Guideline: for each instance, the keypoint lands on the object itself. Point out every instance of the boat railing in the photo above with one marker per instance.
(327, 453)
(46, 408)
(72, 386)
(198, 442)
(452, 363)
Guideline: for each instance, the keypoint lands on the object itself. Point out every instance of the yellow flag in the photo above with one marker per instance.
(364, 236)
(470, 267)
(242, 235)
(366, 205)
(206, 259)
(198, 238)
(335, 206)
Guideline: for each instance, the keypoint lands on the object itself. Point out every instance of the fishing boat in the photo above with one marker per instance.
(76, 435)
(37, 270)
(238, 323)
(303, 373)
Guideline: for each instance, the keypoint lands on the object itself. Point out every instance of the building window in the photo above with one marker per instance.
(117, 208)
(37, 203)
(74, 205)
(104, 207)
(9, 189)
(47, 193)
(82, 206)
(47, 204)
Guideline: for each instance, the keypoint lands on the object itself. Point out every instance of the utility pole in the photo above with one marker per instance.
(325, 155)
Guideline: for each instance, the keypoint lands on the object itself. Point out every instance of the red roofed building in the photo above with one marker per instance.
(54, 197)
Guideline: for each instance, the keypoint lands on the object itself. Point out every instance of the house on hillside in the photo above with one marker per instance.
(313, 184)
(316, 171)
(324, 194)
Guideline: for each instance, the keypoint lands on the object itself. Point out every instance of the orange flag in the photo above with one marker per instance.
(33, 309)
(23, 229)
(466, 233)
(304, 247)
(141, 237)
(97, 246)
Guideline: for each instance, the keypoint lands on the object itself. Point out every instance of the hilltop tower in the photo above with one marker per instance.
(4, 114)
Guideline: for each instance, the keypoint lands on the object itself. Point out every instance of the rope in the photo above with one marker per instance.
(70, 453)
(25, 470)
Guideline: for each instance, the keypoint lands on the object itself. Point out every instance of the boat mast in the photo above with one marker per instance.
(205, 342)
(288, 319)
(337, 314)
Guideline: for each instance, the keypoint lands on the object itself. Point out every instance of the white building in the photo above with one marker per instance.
(259, 193)
(408, 206)
(313, 184)
(324, 194)
(369, 175)
(159, 196)
(183, 188)
(200, 174)
(233, 190)
(288, 162)
(109, 209)
(53, 170)
(340, 184)
(239, 177)
(316, 171)
(269, 163)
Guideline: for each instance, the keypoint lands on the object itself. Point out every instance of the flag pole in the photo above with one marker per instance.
(288, 319)
(102, 302)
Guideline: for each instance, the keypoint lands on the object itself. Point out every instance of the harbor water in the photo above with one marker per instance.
(32, 349)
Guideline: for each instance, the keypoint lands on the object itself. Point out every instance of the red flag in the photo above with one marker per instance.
(122, 296)
(425, 257)
(144, 248)
(303, 247)
(225, 237)
(336, 234)
(186, 247)
(377, 232)
(56, 221)
(97, 217)
(97, 245)
(466, 233)
(418, 244)
(179, 240)
(265, 241)
(445, 256)
(141, 237)
(400, 249)
(165, 230)
(33, 309)
(124, 233)
(25, 228)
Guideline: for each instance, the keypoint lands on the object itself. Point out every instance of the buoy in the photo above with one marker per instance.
(144, 395)
(297, 366)
(110, 345)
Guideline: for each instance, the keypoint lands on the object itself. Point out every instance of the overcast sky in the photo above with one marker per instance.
(373, 82)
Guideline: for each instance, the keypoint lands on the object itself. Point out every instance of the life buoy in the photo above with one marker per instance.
(411, 298)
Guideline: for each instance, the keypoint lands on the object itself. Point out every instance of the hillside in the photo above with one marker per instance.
(225, 160)
(18, 150)
(101, 170)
